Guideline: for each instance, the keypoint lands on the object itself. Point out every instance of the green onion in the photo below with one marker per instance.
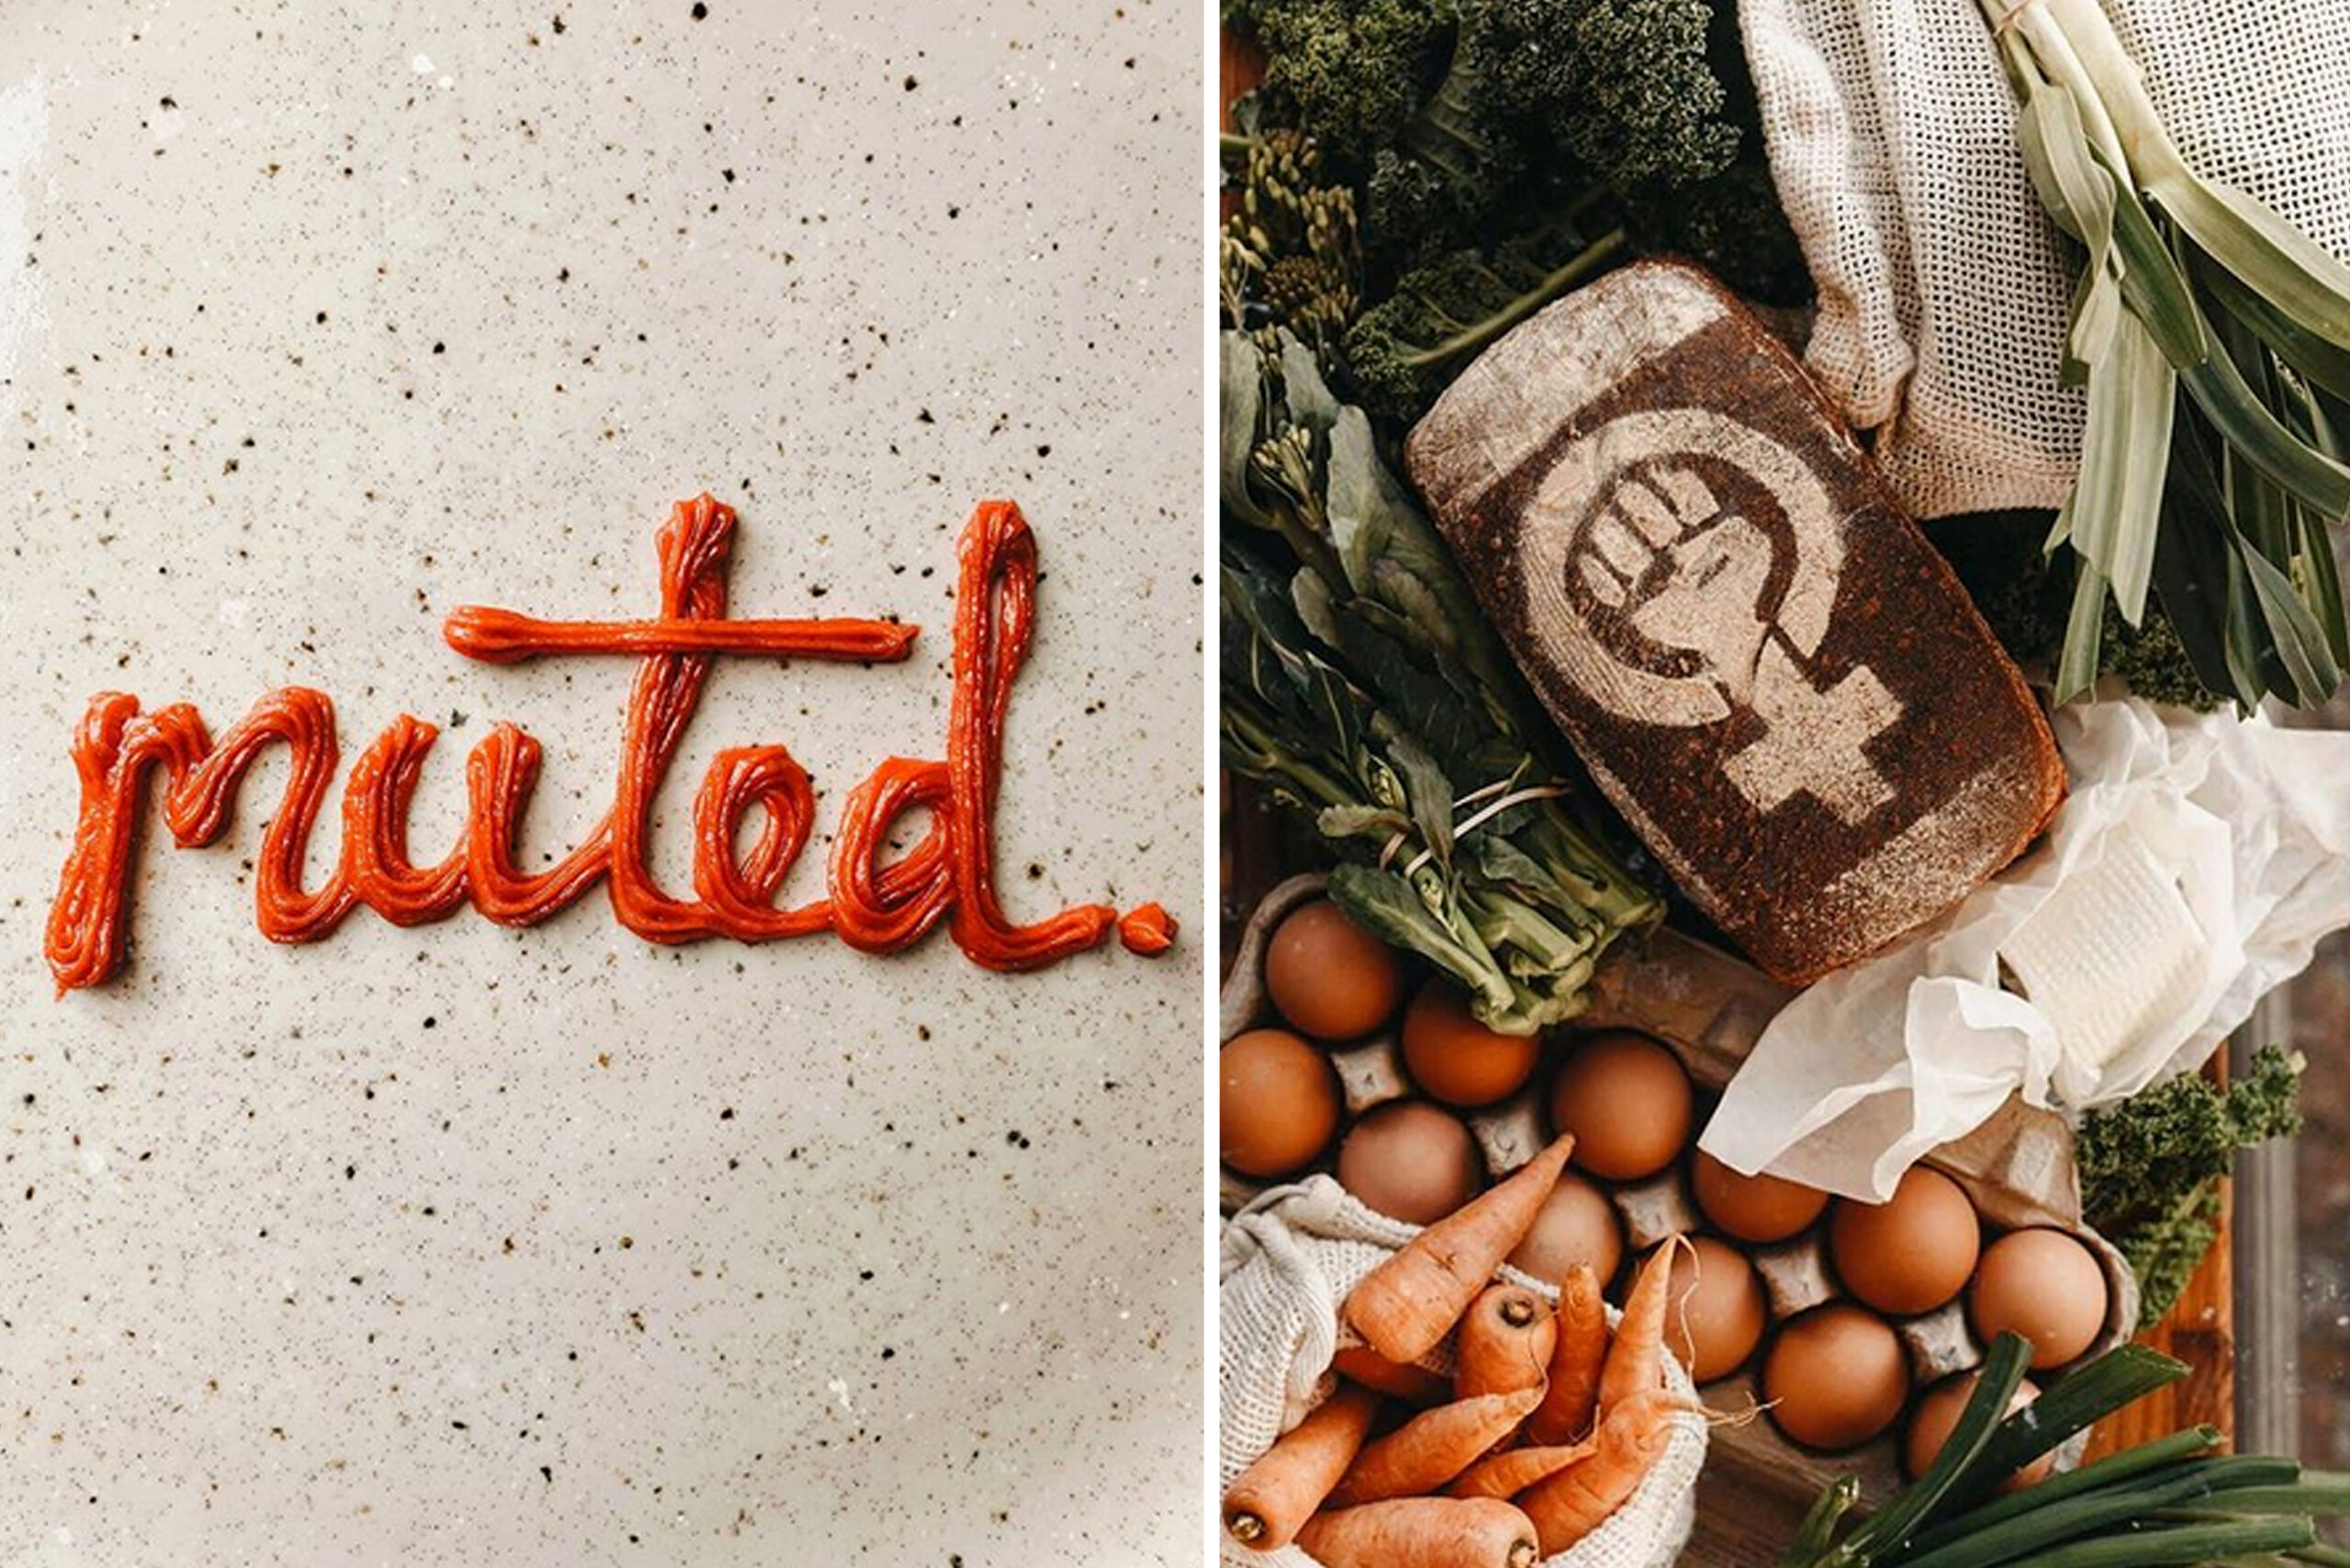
(2211, 336)
(2317, 1492)
(1986, 1408)
(1817, 1532)
(2147, 1463)
(2075, 1403)
(2177, 1548)
(2165, 1504)
(2063, 1520)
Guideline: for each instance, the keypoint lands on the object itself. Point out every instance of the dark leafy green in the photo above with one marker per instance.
(1362, 682)
(1465, 125)
(1404, 351)
(2150, 1166)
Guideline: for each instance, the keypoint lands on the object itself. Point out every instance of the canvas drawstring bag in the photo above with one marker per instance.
(1287, 1260)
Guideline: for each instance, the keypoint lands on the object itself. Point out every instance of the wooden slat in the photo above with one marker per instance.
(2265, 1249)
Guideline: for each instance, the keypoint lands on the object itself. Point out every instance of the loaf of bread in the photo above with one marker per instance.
(1763, 664)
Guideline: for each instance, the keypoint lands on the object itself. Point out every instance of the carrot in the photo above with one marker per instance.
(1636, 1361)
(1272, 1497)
(1566, 1409)
(1410, 1302)
(1578, 1499)
(1414, 1385)
(1512, 1471)
(1422, 1532)
(1506, 1341)
(1431, 1449)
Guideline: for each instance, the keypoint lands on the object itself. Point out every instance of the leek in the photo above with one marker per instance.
(2213, 339)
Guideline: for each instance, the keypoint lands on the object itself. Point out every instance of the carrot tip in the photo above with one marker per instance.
(1244, 1528)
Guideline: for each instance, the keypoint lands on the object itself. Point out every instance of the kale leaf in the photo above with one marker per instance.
(2150, 1166)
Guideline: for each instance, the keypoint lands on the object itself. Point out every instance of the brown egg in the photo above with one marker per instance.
(1328, 977)
(1911, 1253)
(1277, 1104)
(1752, 1208)
(1627, 1100)
(2047, 1287)
(1938, 1412)
(1716, 1313)
(1576, 1224)
(1410, 1162)
(1457, 1060)
(1835, 1377)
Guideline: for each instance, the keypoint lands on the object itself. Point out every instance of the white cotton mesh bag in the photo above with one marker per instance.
(1943, 293)
(1287, 1261)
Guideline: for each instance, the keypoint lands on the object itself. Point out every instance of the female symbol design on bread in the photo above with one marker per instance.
(1710, 550)
(1761, 661)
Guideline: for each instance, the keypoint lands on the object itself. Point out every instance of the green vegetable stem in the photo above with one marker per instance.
(1363, 683)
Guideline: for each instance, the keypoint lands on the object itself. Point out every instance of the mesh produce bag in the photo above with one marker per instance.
(1943, 294)
(1287, 1261)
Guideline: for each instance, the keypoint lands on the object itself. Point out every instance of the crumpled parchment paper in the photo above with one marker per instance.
(2197, 863)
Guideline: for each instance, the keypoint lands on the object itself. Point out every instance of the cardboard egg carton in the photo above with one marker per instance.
(1710, 1008)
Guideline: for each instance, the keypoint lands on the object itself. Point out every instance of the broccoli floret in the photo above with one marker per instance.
(1289, 257)
(1399, 352)
(1625, 85)
(1351, 72)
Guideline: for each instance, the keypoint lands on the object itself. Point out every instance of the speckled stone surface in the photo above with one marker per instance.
(469, 1246)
